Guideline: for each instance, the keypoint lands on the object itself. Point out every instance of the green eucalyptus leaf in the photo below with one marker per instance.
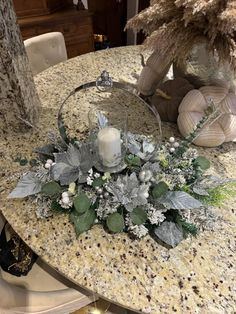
(82, 203)
(23, 162)
(98, 182)
(133, 161)
(83, 222)
(51, 188)
(138, 216)
(202, 162)
(115, 222)
(159, 189)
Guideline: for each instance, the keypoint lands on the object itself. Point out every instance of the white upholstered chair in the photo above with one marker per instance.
(42, 291)
(45, 50)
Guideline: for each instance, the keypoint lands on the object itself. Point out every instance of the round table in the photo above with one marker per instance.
(195, 277)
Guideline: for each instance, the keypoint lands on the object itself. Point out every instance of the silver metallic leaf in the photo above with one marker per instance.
(134, 147)
(29, 184)
(57, 170)
(148, 147)
(70, 157)
(210, 182)
(73, 156)
(64, 173)
(128, 191)
(198, 190)
(69, 175)
(169, 233)
(140, 146)
(179, 200)
(153, 167)
(86, 158)
(102, 120)
(73, 164)
(46, 150)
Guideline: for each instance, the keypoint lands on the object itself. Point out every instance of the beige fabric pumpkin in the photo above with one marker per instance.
(167, 103)
(192, 108)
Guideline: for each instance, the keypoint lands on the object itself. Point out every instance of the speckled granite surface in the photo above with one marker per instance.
(196, 277)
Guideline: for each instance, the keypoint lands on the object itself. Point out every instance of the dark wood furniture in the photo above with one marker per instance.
(26, 8)
(57, 16)
(109, 18)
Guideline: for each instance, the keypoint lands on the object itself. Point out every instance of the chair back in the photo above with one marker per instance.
(45, 50)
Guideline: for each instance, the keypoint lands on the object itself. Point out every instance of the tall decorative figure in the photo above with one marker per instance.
(19, 102)
(175, 28)
(198, 38)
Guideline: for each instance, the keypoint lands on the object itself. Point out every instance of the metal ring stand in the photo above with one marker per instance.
(104, 83)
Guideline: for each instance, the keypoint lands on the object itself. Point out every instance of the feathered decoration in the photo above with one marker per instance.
(175, 26)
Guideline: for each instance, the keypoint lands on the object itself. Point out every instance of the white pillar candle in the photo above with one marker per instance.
(109, 146)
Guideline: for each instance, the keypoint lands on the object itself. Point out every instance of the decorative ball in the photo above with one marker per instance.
(172, 149)
(66, 200)
(171, 139)
(106, 194)
(65, 194)
(145, 175)
(47, 166)
(49, 161)
(167, 102)
(191, 111)
(146, 194)
(176, 145)
(100, 191)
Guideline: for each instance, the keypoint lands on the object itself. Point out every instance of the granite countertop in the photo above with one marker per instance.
(195, 277)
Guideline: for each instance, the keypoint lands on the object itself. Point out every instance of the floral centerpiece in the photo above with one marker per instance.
(162, 189)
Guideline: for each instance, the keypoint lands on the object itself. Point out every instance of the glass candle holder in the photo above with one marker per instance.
(108, 136)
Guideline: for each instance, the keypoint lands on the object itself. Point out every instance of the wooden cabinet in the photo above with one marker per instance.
(76, 27)
(26, 8)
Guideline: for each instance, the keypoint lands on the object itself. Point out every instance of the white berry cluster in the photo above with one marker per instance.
(49, 163)
(92, 175)
(105, 209)
(172, 145)
(138, 231)
(146, 176)
(155, 216)
(65, 200)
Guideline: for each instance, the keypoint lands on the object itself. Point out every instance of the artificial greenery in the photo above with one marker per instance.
(159, 189)
(160, 185)
(219, 195)
(81, 203)
(115, 222)
(51, 189)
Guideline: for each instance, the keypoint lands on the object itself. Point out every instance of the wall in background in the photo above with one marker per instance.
(132, 9)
